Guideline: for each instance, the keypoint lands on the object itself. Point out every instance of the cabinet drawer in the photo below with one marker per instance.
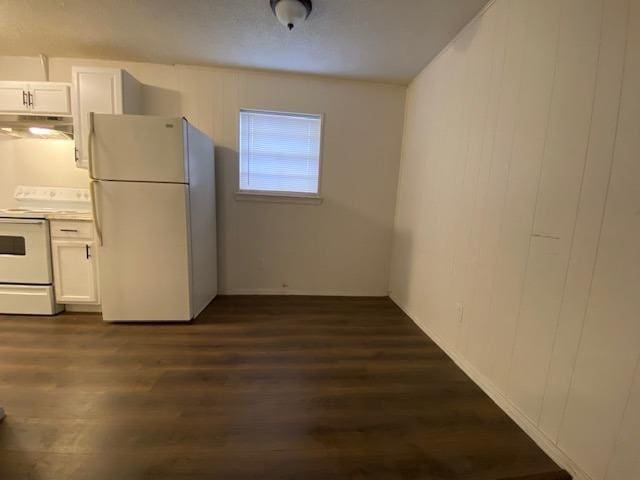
(71, 229)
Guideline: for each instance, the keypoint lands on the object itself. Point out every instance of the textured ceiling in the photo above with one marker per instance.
(387, 40)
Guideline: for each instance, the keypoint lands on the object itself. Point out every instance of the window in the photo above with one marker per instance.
(279, 152)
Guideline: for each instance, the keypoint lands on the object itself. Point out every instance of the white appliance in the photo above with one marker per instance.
(26, 279)
(25, 267)
(153, 191)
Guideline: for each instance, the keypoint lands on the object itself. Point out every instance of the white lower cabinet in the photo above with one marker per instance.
(74, 263)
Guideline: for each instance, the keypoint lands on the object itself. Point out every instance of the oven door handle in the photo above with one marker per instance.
(32, 221)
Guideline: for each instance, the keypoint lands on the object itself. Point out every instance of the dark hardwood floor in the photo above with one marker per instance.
(256, 388)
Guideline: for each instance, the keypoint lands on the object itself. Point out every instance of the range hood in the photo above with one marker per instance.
(36, 126)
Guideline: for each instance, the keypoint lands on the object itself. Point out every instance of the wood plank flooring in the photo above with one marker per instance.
(256, 388)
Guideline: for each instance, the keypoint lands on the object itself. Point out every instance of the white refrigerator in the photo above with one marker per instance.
(153, 194)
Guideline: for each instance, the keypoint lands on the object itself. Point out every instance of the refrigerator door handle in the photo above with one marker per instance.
(94, 209)
(90, 146)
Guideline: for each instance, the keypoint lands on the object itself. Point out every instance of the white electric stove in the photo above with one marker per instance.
(26, 278)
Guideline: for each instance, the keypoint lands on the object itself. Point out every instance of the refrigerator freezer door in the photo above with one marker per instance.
(138, 148)
(145, 251)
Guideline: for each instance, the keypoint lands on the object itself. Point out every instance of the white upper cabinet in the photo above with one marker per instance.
(49, 97)
(100, 90)
(13, 96)
(46, 98)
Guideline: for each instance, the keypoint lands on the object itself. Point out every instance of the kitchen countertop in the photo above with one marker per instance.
(70, 216)
(49, 215)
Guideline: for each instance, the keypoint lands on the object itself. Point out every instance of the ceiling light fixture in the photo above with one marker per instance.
(291, 12)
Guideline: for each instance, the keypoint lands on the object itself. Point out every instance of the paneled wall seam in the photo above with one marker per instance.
(494, 52)
(482, 224)
(461, 184)
(602, 219)
(622, 417)
(508, 175)
(575, 221)
(533, 216)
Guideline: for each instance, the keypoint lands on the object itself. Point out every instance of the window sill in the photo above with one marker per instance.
(277, 197)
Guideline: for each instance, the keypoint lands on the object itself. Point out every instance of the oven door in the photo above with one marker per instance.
(25, 252)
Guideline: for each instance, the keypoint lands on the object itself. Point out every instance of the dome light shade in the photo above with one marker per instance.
(291, 12)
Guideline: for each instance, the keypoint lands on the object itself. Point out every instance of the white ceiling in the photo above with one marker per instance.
(386, 40)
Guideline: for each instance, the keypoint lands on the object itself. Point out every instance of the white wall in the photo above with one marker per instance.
(339, 247)
(517, 227)
(37, 162)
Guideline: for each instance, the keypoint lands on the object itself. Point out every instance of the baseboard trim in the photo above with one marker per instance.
(544, 442)
(288, 291)
(81, 308)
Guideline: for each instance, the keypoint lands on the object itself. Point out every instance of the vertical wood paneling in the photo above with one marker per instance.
(526, 157)
(457, 190)
(468, 317)
(589, 215)
(625, 461)
(500, 207)
(477, 312)
(610, 344)
(556, 201)
(481, 73)
(447, 167)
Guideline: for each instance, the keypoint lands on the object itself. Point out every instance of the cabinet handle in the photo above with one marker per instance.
(69, 230)
(87, 251)
(30, 99)
(24, 99)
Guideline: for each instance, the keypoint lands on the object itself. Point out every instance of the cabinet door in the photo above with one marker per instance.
(14, 97)
(96, 90)
(74, 272)
(49, 97)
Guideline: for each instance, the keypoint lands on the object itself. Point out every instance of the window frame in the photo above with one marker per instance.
(280, 195)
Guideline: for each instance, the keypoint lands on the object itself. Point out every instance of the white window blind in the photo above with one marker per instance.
(279, 152)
